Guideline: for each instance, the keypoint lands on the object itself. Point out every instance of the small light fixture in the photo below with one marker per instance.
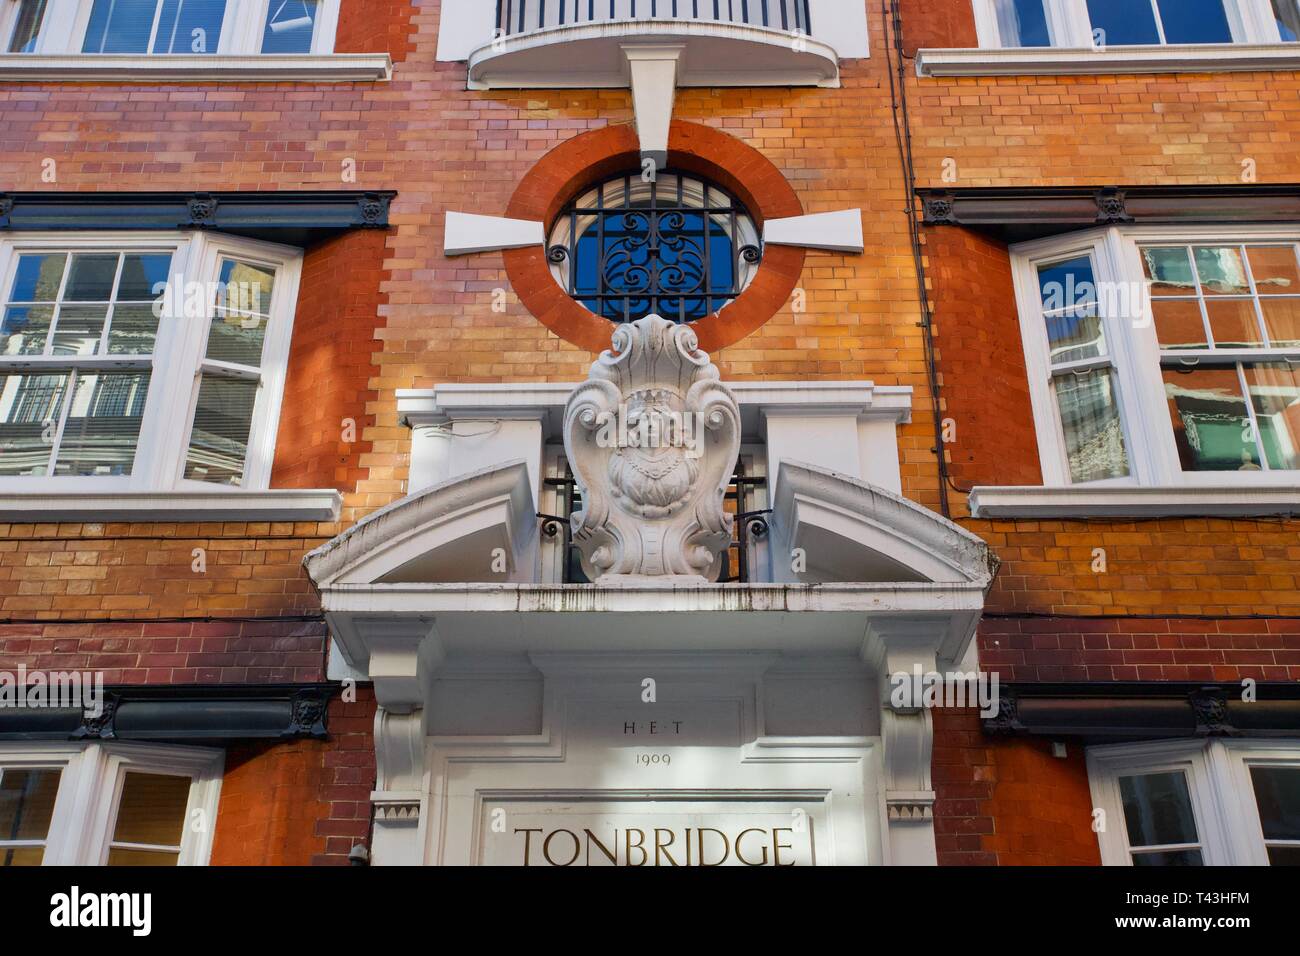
(1058, 749)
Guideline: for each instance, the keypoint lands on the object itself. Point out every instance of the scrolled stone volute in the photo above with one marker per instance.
(652, 437)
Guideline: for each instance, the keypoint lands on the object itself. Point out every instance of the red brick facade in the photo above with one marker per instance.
(1008, 802)
(378, 311)
(301, 803)
(331, 363)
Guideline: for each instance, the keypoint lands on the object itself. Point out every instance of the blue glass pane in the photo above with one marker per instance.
(1123, 22)
(189, 26)
(1023, 23)
(1287, 14)
(119, 26)
(1195, 21)
(38, 277)
(290, 26)
(1067, 285)
(141, 276)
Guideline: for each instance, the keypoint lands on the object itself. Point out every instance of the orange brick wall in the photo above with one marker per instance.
(300, 802)
(1008, 802)
(1165, 567)
(376, 26)
(977, 337)
(1105, 130)
(74, 572)
(331, 364)
(936, 23)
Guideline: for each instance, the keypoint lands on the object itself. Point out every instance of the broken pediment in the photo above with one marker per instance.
(479, 527)
(838, 529)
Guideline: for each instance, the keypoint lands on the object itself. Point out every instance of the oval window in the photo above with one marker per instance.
(679, 247)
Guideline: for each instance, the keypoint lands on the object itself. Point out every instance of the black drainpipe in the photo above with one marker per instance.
(903, 135)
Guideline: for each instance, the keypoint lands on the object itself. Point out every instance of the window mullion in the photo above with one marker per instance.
(64, 409)
(1256, 435)
(171, 379)
(63, 29)
(1074, 25)
(153, 28)
(1160, 23)
(1254, 295)
(112, 301)
(58, 305)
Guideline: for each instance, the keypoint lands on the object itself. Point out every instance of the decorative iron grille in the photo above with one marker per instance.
(750, 525)
(525, 16)
(676, 246)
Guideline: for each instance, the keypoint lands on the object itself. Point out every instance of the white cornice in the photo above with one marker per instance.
(278, 504)
(442, 403)
(1183, 58)
(196, 68)
(418, 600)
(1129, 502)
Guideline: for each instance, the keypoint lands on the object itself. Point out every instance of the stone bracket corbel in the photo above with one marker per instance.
(404, 653)
(654, 88)
(400, 786)
(907, 736)
(839, 231)
(467, 233)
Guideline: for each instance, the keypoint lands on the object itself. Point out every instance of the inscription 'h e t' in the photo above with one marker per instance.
(652, 727)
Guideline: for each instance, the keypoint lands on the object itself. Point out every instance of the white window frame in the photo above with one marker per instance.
(1149, 433)
(63, 29)
(85, 807)
(1218, 776)
(9, 22)
(177, 360)
(1251, 22)
(1060, 25)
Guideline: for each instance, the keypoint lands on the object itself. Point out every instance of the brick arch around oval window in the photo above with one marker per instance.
(589, 158)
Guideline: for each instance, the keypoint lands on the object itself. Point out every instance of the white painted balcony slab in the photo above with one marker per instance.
(591, 56)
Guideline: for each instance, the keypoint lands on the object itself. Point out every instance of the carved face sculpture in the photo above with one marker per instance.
(652, 471)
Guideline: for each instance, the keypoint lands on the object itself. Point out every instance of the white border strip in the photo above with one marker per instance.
(280, 504)
(1058, 61)
(1112, 502)
(196, 68)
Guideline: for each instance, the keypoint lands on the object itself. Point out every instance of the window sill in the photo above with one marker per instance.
(196, 68)
(1196, 58)
(1130, 502)
(278, 504)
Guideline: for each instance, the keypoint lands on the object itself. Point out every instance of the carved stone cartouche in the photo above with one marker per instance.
(652, 437)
